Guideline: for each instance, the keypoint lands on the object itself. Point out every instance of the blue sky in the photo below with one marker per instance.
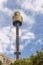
(31, 31)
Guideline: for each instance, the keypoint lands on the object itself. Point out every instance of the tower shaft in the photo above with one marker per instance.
(17, 41)
(17, 37)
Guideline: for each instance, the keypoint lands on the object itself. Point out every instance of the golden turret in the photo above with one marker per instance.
(17, 18)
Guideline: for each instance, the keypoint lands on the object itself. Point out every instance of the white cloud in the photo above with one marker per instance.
(3, 38)
(11, 51)
(39, 41)
(1, 49)
(33, 5)
(4, 32)
(21, 47)
(28, 36)
(1, 4)
(5, 9)
(8, 35)
(2, 19)
(2, 1)
(28, 19)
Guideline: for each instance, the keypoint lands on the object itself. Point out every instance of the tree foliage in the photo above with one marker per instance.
(0, 62)
(33, 60)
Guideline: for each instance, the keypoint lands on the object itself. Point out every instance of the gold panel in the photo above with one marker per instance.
(17, 17)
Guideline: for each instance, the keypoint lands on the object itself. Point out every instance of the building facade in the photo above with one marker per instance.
(6, 60)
